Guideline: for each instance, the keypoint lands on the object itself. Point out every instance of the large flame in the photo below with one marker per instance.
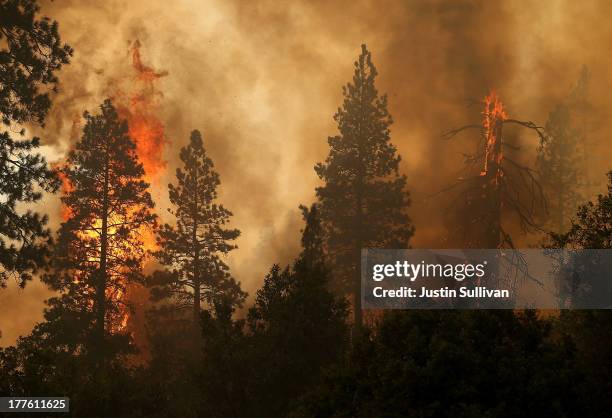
(141, 108)
(138, 104)
(493, 117)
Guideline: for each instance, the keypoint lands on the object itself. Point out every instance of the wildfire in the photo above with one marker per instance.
(493, 116)
(138, 104)
(65, 187)
(140, 108)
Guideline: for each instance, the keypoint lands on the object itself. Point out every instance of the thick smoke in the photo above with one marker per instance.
(262, 81)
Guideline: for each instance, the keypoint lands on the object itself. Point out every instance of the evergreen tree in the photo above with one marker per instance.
(192, 248)
(582, 275)
(559, 165)
(451, 364)
(589, 331)
(226, 378)
(592, 225)
(298, 326)
(78, 348)
(583, 119)
(30, 53)
(99, 252)
(53, 360)
(364, 198)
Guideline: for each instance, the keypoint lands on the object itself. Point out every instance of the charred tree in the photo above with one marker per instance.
(364, 199)
(494, 181)
(496, 184)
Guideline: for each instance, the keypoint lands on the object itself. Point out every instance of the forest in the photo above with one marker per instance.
(147, 317)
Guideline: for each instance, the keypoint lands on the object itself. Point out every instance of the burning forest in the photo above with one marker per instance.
(190, 194)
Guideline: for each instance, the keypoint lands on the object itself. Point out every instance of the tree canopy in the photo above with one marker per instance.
(364, 200)
(31, 53)
(193, 247)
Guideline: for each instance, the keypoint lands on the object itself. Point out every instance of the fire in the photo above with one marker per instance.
(138, 104)
(65, 187)
(493, 117)
(140, 108)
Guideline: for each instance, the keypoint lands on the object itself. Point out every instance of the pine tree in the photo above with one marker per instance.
(589, 330)
(364, 198)
(192, 248)
(583, 121)
(298, 326)
(591, 226)
(99, 250)
(30, 53)
(560, 158)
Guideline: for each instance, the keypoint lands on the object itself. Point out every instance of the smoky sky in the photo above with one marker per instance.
(262, 81)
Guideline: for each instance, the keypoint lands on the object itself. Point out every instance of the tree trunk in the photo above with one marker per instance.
(196, 253)
(101, 288)
(358, 314)
(102, 280)
(493, 175)
(561, 214)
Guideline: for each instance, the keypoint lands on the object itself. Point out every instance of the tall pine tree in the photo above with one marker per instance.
(100, 252)
(192, 248)
(30, 53)
(561, 157)
(557, 163)
(364, 198)
(584, 117)
(297, 331)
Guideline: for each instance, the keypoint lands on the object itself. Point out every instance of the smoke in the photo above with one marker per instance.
(262, 82)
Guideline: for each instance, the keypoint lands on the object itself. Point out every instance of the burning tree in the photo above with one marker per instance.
(364, 199)
(192, 248)
(495, 181)
(100, 250)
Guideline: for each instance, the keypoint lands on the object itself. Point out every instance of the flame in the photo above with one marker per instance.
(138, 104)
(493, 116)
(140, 108)
(65, 187)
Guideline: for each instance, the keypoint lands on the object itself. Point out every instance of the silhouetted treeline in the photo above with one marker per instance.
(302, 349)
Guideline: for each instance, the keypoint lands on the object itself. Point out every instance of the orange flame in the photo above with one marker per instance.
(493, 117)
(140, 109)
(139, 106)
(65, 187)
